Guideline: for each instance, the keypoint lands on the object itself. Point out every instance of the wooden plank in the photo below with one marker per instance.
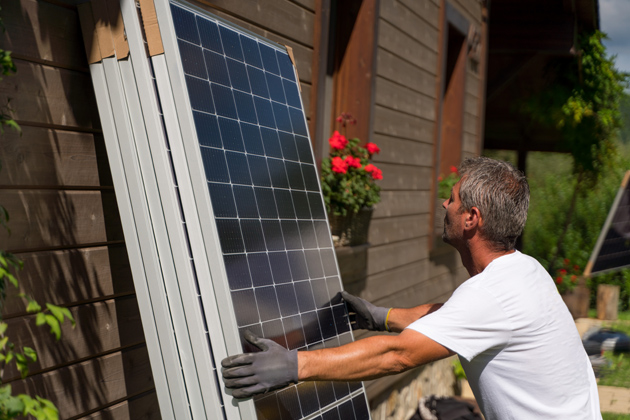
(470, 124)
(403, 151)
(49, 218)
(427, 291)
(306, 99)
(403, 72)
(101, 327)
(279, 16)
(422, 29)
(386, 257)
(48, 95)
(395, 229)
(400, 98)
(426, 9)
(471, 104)
(470, 144)
(472, 83)
(392, 123)
(399, 203)
(355, 51)
(45, 157)
(470, 9)
(402, 177)
(71, 276)
(380, 286)
(92, 384)
(43, 31)
(144, 406)
(303, 54)
(399, 43)
(307, 4)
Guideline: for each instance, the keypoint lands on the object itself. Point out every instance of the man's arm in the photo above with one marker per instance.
(275, 367)
(370, 358)
(401, 318)
(365, 315)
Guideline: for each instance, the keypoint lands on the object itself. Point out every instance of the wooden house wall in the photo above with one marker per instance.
(56, 185)
(400, 269)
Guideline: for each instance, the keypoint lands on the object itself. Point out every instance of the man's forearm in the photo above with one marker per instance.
(369, 358)
(400, 318)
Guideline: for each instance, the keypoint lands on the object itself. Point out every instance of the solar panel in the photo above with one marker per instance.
(269, 216)
(612, 251)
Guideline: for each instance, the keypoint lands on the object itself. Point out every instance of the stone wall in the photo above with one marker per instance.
(401, 401)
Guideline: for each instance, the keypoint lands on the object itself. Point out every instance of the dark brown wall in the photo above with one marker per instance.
(56, 185)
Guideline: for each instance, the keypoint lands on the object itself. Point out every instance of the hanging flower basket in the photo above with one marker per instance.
(351, 229)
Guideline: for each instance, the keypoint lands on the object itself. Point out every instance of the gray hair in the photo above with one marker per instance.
(501, 194)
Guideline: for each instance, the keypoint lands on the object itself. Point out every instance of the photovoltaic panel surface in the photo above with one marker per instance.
(613, 248)
(269, 212)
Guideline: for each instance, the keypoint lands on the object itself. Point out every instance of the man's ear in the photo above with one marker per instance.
(473, 219)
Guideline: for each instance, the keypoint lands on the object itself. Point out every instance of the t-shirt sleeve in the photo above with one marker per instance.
(469, 323)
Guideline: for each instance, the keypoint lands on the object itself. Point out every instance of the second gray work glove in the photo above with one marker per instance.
(366, 315)
(249, 374)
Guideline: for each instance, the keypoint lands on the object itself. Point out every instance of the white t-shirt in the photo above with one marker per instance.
(517, 343)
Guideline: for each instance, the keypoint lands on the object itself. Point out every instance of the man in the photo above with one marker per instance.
(515, 338)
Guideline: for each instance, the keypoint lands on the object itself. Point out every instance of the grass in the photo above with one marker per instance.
(615, 416)
(618, 373)
(621, 316)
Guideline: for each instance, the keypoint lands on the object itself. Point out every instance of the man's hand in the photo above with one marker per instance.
(366, 316)
(255, 373)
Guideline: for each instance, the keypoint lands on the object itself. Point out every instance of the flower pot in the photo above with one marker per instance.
(577, 300)
(353, 228)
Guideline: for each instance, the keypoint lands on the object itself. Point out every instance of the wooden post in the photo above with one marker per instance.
(607, 301)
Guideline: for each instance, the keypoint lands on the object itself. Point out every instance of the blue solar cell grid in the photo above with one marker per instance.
(268, 208)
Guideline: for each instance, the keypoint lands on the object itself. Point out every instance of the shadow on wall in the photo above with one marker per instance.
(56, 184)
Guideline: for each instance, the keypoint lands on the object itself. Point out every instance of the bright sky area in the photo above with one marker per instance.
(614, 21)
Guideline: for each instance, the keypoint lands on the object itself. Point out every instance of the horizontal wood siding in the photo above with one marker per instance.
(56, 184)
(399, 269)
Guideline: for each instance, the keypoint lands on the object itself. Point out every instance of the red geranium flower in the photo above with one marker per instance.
(566, 261)
(337, 141)
(573, 278)
(374, 171)
(372, 148)
(563, 271)
(576, 267)
(353, 162)
(339, 165)
(377, 174)
(559, 280)
(454, 169)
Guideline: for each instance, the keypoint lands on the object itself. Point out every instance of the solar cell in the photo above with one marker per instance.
(266, 200)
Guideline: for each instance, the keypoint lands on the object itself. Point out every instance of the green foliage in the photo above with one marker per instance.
(445, 183)
(624, 109)
(348, 178)
(582, 100)
(552, 184)
(458, 369)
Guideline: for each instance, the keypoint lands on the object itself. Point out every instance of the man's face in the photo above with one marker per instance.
(454, 218)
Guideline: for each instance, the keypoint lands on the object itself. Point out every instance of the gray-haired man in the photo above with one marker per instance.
(514, 335)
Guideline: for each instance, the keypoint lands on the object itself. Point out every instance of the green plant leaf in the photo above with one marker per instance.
(32, 306)
(3, 327)
(3, 342)
(30, 353)
(40, 319)
(53, 323)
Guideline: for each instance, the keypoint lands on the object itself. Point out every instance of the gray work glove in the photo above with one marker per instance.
(366, 316)
(256, 373)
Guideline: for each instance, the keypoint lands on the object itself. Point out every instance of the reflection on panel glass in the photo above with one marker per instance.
(267, 204)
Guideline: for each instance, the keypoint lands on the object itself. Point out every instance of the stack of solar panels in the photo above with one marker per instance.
(222, 211)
